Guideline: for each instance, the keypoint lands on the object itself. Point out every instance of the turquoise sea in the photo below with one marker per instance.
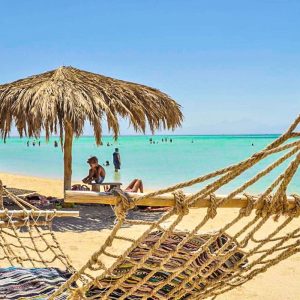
(159, 165)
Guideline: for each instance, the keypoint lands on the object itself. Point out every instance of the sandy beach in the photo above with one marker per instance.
(279, 282)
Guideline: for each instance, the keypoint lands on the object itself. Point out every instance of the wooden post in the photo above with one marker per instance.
(23, 213)
(68, 155)
(1, 195)
(238, 201)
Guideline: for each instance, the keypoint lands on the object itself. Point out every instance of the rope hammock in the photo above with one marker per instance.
(167, 260)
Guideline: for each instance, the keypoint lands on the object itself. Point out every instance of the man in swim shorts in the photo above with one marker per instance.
(96, 172)
(117, 160)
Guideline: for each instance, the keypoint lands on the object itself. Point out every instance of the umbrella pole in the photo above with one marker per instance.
(68, 156)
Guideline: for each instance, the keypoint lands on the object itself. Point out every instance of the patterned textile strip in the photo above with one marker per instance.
(35, 283)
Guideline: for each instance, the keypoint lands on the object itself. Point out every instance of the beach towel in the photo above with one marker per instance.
(35, 283)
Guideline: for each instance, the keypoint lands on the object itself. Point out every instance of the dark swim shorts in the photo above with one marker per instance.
(117, 165)
(99, 180)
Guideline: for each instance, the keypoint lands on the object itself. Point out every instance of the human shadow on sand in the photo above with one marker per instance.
(91, 216)
(97, 217)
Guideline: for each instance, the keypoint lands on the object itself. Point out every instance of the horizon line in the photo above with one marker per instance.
(158, 135)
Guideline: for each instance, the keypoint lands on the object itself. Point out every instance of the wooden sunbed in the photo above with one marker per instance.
(96, 186)
(91, 197)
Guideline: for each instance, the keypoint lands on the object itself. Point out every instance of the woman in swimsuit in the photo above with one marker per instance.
(134, 186)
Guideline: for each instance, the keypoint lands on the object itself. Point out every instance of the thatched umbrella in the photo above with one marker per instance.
(60, 101)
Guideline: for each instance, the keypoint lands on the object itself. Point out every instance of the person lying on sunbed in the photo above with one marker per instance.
(134, 186)
(96, 172)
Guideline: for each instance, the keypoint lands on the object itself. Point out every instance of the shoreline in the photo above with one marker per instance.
(159, 166)
(42, 185)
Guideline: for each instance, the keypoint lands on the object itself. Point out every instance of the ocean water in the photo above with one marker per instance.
(159, 165)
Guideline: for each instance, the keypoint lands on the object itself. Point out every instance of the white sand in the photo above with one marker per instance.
(278, 283)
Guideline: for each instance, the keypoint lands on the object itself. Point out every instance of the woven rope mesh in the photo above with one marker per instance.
(26, 239)
(174, 258)
(170, 259)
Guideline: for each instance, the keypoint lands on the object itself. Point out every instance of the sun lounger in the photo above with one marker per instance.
(96, 187)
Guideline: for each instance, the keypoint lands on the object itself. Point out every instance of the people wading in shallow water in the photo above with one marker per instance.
(117, 160)
(96, 172)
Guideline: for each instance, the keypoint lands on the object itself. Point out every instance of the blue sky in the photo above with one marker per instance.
(234, 66)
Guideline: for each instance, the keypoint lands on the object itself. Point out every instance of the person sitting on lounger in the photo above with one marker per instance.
(96, 172)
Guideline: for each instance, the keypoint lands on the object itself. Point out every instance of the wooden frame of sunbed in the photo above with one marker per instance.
(90, 197)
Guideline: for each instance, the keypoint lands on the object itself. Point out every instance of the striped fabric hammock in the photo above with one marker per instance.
(34, 283)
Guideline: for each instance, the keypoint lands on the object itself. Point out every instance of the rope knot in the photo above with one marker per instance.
(124, 203)
(181, 206)
(264, 203)
(295, 211)
(279, 205)
(94, 258)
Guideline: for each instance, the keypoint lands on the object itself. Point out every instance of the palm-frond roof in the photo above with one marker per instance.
(47, 101)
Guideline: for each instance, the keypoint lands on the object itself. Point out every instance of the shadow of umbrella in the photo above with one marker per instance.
(97, 217)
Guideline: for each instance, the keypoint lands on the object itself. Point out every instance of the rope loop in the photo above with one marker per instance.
(181, 206)
(26, 218)
(279, 205)
(212, 210)
(246, 211)
(52, 216)
(35, 219)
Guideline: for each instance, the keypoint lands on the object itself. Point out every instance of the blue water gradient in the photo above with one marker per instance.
(159, 165)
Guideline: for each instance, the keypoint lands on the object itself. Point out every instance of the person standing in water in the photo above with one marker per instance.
(117, 160)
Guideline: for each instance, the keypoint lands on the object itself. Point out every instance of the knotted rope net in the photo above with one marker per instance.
(26, 236)
(174, 258)
(170, 260)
